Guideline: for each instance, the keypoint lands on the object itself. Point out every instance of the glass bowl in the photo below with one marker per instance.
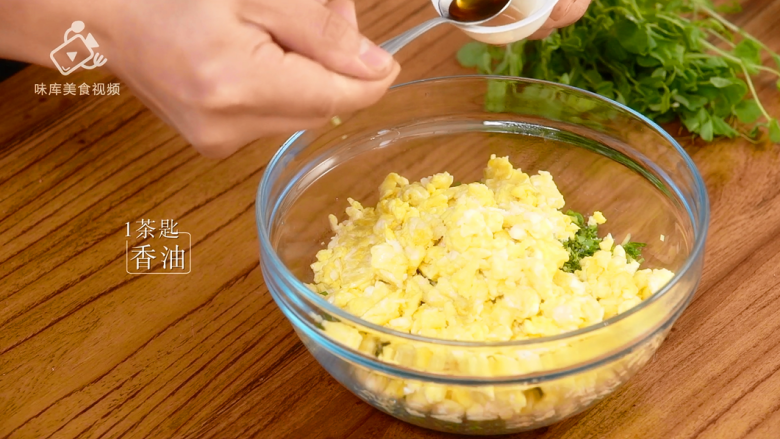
(602, 155)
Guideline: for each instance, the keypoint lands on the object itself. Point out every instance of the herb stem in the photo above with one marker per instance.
(636, 9)
(747, 76)
(722, 53)
(672, 19)
(768, 69)
(721, 37)
(751, 141)
(659, 29)
(709, 11)
(753, 92)
(732, 27)
(729, 57)
(616, 70)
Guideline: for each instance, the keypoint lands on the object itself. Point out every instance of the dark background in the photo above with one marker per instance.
(8, 68)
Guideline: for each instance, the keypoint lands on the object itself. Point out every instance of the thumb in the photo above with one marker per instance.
(317, 32)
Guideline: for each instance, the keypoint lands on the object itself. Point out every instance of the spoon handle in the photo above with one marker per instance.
(393, 45)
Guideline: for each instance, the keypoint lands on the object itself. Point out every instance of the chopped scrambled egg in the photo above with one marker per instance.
(472, 262)
(478, 262)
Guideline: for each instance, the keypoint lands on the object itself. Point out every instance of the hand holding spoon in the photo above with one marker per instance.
(458, 12)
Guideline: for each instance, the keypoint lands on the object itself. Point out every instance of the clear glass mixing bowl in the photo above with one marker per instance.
(603, 156)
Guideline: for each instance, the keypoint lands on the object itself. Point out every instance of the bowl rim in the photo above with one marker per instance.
(700, 229)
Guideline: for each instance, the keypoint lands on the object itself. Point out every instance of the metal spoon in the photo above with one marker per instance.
(448, 9)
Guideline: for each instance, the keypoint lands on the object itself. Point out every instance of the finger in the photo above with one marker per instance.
(572, 14)
(346, 9)
(568, 14)
(298, 87)
(541, 34)
(317, 32)
(561, 9)
(271, 81)
(320, 92)
(219, 137)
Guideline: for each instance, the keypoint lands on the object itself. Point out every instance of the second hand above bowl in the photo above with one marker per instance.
(458, 12)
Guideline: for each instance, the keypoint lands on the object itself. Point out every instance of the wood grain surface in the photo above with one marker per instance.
(90, 351)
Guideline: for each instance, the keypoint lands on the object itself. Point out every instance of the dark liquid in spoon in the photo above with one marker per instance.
(475, 10)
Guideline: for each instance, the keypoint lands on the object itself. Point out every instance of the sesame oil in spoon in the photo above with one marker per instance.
(469, 11)
(458, 12)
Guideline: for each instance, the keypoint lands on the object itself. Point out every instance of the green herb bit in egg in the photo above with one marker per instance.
(586, 243)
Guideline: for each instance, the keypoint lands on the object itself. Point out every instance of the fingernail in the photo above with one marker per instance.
(374, 56)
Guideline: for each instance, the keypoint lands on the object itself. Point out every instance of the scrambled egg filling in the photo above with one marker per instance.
(478, 262)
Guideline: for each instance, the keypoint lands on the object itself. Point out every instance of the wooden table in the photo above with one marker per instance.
(88, 350)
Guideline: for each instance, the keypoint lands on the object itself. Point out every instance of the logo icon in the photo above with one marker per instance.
(76, 51)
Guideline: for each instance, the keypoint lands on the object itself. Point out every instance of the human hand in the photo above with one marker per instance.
(565, 13)
(228, 72)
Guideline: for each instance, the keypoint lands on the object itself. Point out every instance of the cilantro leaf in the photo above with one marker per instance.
(774, 131)
(722, 82)
(577, 218)
(380, 347)
(747, 111)
(707, 131)
(586, 242)
(748, 51)
(721, 128)
(633, 37)
(634, 250)
(470, 55)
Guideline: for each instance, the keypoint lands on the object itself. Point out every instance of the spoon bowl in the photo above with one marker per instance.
(471, 12)
(462, 13)
(519, 20)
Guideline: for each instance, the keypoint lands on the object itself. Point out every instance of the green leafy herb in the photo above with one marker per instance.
(380, 347)
(668, 59)
(470, 55)
(774, 131)
(586, 243)
(747, 111)
(329, 318)
(730, 8)
(634, 250)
